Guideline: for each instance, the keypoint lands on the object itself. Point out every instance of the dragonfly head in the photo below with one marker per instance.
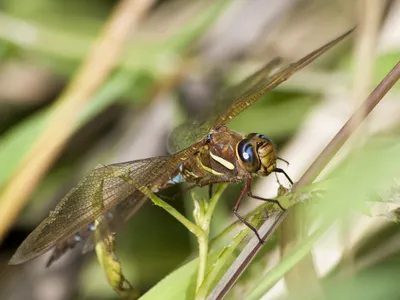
(256, 154)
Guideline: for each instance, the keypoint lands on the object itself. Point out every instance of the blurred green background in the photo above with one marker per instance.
(214, 44)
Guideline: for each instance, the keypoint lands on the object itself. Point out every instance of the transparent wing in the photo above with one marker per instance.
(195, 129)
(240, 97)
(116, 189)
(107, 224)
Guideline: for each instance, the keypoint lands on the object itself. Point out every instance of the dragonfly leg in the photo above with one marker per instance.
(174, 196)
(190, 187)
(279, 170)
(250, 194)
(245, 190)
(195, 185)
(168, 198)
(210, 191)
(284, 160)
(210, 184)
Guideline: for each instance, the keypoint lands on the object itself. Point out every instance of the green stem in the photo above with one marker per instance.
(193, 228)
(201, 229)
(226, 253)
(224, 258)
(204, 220)
(203, 251)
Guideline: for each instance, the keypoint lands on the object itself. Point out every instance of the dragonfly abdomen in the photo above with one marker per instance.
(70, 243)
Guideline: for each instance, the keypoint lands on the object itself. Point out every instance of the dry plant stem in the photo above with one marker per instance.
(99, 63)
(347, 130)
(294, 229)
(370, 15)
(365, 44)
(269, 227)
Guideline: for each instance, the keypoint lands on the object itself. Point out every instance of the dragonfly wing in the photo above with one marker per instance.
(108, 223)
(195, 129)
(186, 134)
(241, 96)
(265, 84)
(97, 193)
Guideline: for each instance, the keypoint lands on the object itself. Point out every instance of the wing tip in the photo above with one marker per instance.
(25, 253)
(21, 256)
(18, 258)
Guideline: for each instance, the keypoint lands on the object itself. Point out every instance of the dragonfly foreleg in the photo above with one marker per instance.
(284, 160)
(279, 170)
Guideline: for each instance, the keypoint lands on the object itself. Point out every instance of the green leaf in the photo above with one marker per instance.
(177, 285)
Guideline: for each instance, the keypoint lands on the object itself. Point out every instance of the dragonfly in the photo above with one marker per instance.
(205, 152)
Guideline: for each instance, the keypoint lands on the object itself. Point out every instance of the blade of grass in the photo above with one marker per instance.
(287, 263)
(370, 18)
(17, 141)
(98, 65)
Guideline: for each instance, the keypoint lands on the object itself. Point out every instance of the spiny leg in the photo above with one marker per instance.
(210, 184)
(168, 198)
(279, 170)
(245, 191)
(274, 201)
(284, 160)
(175, 195)
(250, 194)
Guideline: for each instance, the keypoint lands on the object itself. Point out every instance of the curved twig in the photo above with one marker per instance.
(269, 227)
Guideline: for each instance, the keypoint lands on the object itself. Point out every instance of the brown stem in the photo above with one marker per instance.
(269, 227)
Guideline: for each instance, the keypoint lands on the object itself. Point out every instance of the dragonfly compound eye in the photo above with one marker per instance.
(247, 154)
(257, 135)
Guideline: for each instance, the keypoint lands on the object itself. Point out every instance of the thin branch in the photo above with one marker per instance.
(101, 60)
(370, 17)
(269, 227)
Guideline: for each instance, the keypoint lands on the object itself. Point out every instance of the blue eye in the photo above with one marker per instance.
(247, 155)
(261, 136)
(245, 151)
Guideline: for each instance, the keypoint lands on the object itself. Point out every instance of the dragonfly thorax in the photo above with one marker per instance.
(256, 154)
(231, 153)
